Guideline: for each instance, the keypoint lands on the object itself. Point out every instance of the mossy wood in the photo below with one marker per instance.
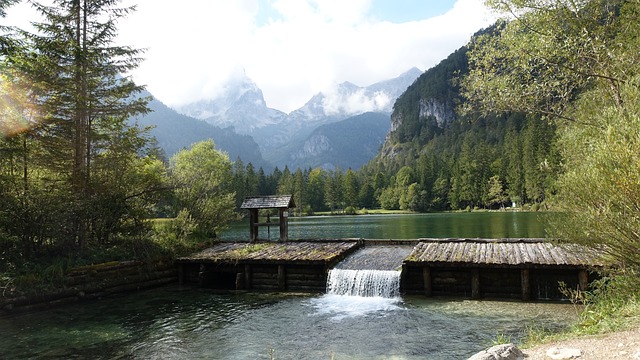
(474, 268)
(269, 266)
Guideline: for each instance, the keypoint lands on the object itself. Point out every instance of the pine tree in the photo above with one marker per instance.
(82, 104)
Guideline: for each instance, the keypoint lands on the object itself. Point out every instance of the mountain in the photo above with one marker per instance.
(348, 143)
(437, 158)
(428, 105)
(242, 107)
(175, 131)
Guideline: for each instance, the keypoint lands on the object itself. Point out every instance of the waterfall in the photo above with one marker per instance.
(365, 283)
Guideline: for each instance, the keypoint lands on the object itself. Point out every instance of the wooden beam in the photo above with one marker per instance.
(239, 281)
(247, 277)
(282, 278)
(253, 224)
(475, 283)
(180, 274)
(525, 284)
(426, 278)
(201, 274)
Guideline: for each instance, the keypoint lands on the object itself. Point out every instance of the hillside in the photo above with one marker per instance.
(175, 131)
(436, 158)
(349, 143)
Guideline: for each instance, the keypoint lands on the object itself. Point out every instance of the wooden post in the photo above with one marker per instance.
(426, 278)
(525, 284)
(239, 281)
(181, 274)
(284, 221)
(253, 224)
(475, 283)
(201, 274)
(247, 277)
(282, 278)
(583, 280)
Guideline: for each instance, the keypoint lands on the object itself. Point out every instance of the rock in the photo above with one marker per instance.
(499, 352)
(557, 353)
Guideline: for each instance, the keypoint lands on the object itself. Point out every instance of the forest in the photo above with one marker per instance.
(488, 163)
(545, 117)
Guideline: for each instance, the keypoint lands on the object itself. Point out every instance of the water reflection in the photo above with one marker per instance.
(406, 226)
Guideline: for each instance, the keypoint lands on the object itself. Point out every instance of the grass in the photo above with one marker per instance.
(611, 304)
(250, 249)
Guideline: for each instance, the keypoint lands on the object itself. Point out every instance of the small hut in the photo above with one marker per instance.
(281, 202)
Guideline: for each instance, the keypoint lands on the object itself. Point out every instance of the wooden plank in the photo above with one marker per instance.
(282, 278)
(427, 282)
(525, 284)
(475, 283)
(508, 254)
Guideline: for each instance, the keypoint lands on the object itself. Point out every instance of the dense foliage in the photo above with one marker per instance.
(78, 181)
(577, 64)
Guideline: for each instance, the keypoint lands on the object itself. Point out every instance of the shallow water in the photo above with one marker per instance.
(181, 323)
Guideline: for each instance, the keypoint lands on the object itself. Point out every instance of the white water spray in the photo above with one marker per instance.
(364, 283)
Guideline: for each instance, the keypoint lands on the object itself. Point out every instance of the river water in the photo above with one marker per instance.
(188, 323)
(191, 323)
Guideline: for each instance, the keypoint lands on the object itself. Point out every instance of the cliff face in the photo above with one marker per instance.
(444, 114)
(426, 107)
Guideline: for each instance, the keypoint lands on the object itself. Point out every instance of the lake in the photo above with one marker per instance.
(498, 224)
(190, 323)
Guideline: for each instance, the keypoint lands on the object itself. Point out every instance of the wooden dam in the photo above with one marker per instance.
(528, 269)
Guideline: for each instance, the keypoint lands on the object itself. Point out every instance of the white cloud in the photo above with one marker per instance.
(306, 47)
(335, 102)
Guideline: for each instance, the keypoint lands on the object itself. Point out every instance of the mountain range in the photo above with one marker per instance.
(336, 128)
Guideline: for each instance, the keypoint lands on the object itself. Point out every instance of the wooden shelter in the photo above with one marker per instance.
(281, 202)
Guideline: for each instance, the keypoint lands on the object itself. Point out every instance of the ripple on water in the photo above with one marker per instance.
(170, 324)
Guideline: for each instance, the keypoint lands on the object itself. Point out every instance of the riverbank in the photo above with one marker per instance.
(616, 345)
(609, 325)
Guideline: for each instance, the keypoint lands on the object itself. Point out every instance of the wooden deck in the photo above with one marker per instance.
(273, 266)
(528, 269)
(501, 253)
(274, 252)
(498, 268)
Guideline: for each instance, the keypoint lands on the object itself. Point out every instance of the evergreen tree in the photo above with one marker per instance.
(351, 189)
(70, 74)
(575, 63)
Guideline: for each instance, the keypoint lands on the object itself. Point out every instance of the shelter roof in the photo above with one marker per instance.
(503, 252)
(268, 202)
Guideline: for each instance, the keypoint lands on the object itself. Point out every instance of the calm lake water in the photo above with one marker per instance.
(191, 323)
(501, 224)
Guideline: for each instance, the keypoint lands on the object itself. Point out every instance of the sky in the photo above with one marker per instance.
(292, 49)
